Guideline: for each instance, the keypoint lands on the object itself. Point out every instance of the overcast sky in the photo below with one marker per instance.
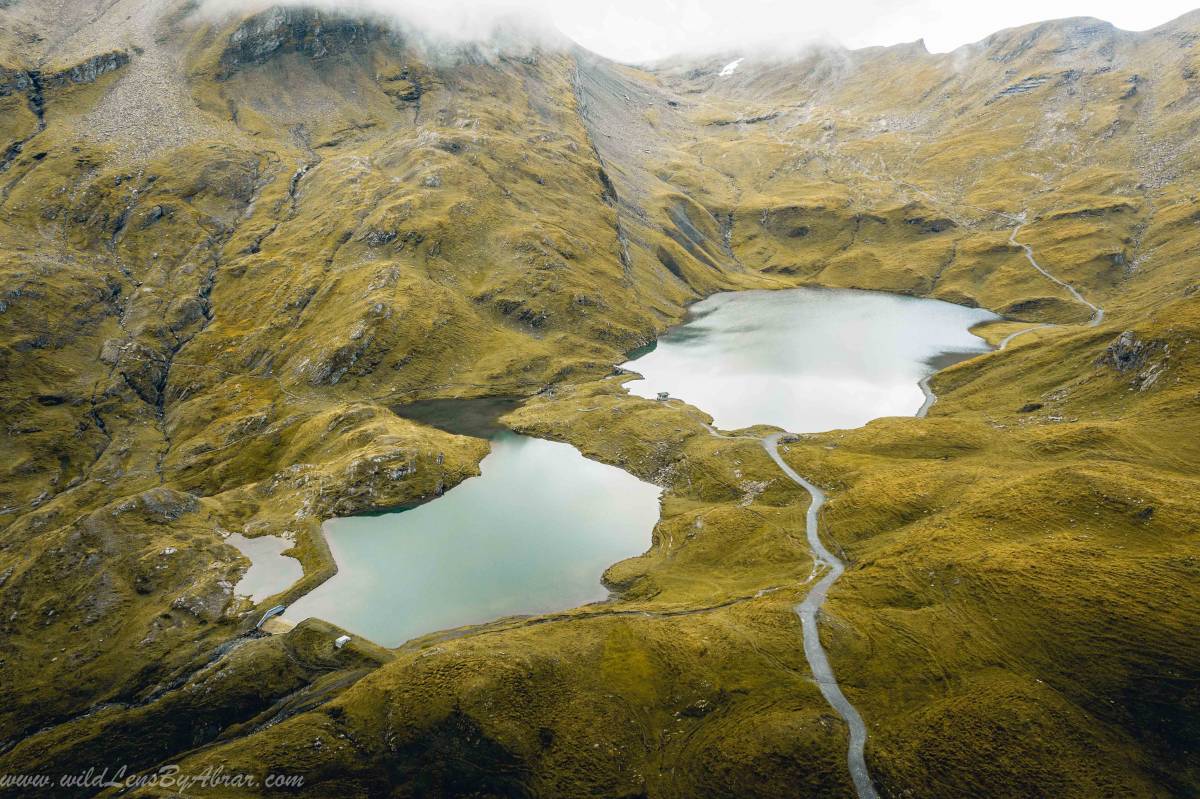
(638, 30)
(645, 30)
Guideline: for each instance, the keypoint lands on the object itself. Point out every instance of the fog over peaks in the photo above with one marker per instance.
(647, 30)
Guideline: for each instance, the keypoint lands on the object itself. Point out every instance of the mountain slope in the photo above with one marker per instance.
(231, 246)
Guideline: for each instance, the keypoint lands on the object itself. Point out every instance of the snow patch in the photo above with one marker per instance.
(728, 69)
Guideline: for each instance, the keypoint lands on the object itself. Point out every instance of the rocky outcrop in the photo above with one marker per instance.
(293, 30)
(937, 224)
(754, 120)
(1125, 353)
(1021, 87)
(1146, 359)
(88, 71)
(34, 83)
(13, 81)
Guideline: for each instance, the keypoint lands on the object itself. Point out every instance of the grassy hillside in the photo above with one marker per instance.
(229, 247)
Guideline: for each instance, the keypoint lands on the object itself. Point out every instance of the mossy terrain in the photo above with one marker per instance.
(208, 318)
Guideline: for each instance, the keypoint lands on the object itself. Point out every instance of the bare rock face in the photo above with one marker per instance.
(936, 224)
(336, 363)
(283, 30)
(145, 371)
(372, 482)
(1148, 360)
(1125, 353)
(14, 81)
(91, 70)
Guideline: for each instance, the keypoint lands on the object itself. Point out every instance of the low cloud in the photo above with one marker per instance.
(441, 22)
(645, 30)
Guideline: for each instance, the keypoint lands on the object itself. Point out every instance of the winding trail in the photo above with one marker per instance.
(1097, 312)
(834, 567)
(1004, 342)
(1019, 222)
(930, 397)
(807, 610)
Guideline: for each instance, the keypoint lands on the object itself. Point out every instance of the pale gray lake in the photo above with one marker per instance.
(808, 359)
(532, 534)
(270, 570)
